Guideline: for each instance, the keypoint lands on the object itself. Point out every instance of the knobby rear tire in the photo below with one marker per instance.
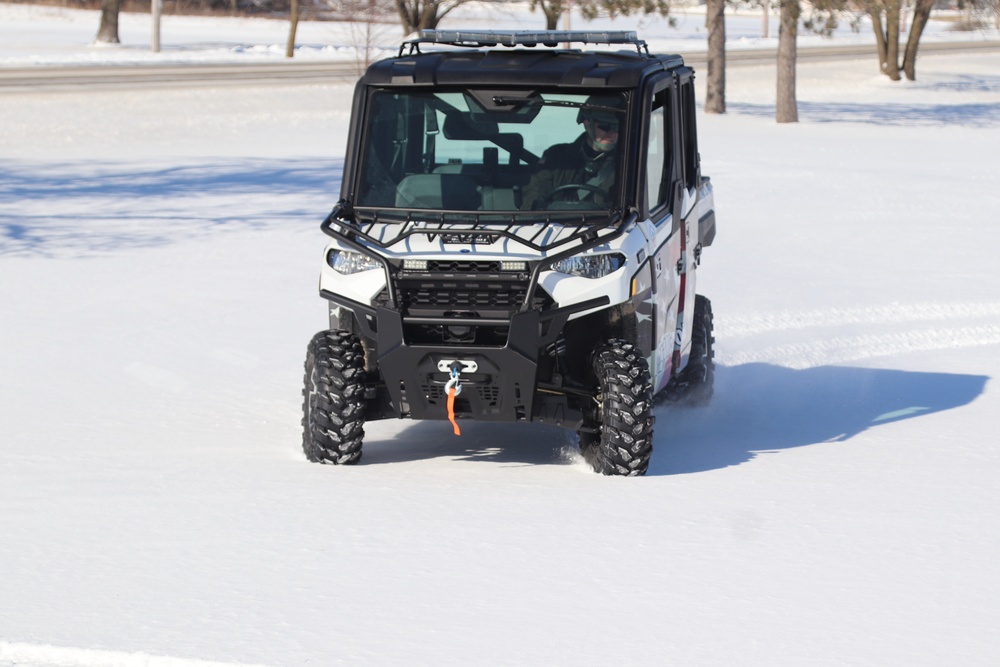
(700, 372)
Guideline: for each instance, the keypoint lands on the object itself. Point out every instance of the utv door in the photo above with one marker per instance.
(688, 181)
(659, 190)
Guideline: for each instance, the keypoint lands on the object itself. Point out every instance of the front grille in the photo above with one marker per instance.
(425, 297)
(464, 296)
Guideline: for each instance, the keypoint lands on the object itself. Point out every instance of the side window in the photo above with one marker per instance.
(658, 152)
(690, 135)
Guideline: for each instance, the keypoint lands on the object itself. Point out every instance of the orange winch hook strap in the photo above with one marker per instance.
(451, 410)
(454, 388)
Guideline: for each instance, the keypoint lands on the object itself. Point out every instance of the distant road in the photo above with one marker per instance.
(112, 77)
(748, 57)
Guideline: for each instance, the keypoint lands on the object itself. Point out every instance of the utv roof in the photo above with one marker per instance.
(519, 62)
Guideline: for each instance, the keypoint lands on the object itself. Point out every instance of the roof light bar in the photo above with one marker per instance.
(551, 38)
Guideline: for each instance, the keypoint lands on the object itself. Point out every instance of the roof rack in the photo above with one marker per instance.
(528, 38)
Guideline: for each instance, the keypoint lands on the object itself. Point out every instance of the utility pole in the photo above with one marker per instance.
(156, 8)
(567, 8)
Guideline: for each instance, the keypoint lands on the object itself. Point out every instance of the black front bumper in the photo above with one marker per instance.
(504, 388)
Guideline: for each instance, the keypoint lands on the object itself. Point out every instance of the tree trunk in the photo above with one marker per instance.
(881, 46)
(787, 109)
(887, 36)
(921, 14)
(892, 14)
(292, 29)
(715, 86)
(552, 11)
(429, 19)
(107, 33)
(408, 16)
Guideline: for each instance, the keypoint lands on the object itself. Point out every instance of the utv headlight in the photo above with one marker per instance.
(590, 266)
(347, 262)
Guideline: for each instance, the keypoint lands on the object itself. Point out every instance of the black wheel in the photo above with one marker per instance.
(333, 399)
(699, 375)
(621, 442)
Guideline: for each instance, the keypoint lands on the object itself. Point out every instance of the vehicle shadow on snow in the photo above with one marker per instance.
(757, 408)
(509, 444)
(760, 408)
(78, 209)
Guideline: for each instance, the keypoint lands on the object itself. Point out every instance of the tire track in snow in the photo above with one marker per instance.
(748, 325)
(918, 333)
(41, 655)
(838, 350)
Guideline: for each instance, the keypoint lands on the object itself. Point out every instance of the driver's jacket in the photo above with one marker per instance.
(573, 163)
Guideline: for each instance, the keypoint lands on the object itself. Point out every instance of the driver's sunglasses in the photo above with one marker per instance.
(605, 126)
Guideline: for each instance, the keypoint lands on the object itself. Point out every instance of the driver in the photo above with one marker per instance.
(590, 161)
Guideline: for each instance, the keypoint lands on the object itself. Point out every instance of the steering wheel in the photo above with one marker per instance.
(547, 199)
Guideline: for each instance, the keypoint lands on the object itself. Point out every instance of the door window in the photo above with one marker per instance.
(659, 153)
(689, 132)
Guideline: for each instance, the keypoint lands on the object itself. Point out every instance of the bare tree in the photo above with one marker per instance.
(921, 14)
(992, 8)
(888, 21)
(552, 9)
(368, 28)
(417, 15)
(885, 15)
(592, 9)
(787, 108)
(107, 33)
(715, 84)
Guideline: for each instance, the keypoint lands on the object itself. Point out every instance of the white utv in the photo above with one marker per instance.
(518, 239)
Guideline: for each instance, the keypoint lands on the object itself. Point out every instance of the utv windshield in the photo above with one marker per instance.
(480, 150)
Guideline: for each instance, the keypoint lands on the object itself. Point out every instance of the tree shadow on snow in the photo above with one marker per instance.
(756, 408)
(765, 408)
(79, 209)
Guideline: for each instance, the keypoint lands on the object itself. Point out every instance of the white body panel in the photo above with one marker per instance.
(670, 254)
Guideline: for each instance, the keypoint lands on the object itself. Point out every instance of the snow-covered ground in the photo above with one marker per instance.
(835, 505)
